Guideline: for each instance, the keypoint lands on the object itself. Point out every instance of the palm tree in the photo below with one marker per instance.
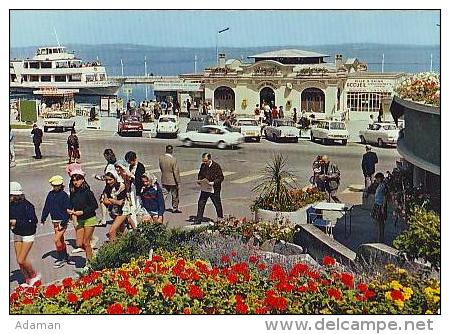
(277, 182)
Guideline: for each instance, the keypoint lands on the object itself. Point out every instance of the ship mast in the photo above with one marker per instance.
(56, 35)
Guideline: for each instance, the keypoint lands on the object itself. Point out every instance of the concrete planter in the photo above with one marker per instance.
(295, 217)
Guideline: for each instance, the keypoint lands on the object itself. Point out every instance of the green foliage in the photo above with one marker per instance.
(422, 238)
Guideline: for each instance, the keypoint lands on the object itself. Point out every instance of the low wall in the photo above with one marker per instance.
(318, 244)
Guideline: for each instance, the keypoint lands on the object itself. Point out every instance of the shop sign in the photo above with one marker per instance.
(177, 86)
(369, 85)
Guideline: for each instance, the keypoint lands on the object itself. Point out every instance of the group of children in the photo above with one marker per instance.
(130, 197)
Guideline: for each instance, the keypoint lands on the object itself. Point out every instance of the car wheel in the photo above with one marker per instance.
(295, 140)
(45, 129)
(274, 137)
(258, 139)
(139, 134)
(380, 142)
(221, 145)
(187, 143)
(344, 142)
(312, 138)
(363, 140)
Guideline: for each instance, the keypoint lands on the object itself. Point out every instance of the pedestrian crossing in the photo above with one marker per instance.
(58, 162)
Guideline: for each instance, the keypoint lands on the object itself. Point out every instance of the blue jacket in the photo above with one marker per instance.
(56, 204)
(25, 215)
(153, 200)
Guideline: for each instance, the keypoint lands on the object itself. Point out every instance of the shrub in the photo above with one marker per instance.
(170, 284)
(422, 238)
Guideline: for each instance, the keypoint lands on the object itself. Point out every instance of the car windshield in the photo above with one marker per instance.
(389, 127)
(337, 126)
(131, 119)
(284, 123)
(247, 122)
(166, 119)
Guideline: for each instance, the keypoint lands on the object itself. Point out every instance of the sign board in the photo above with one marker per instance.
(177, 86)
(370, 85)
(104, 103)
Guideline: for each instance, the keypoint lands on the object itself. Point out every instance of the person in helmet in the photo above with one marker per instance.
(23, 223)
(57, 205)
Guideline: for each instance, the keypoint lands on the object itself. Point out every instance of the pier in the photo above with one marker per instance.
(141, 79)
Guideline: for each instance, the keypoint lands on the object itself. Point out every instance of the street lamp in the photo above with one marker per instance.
(217, 42)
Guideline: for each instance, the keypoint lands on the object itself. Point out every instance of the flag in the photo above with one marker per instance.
(223, 30)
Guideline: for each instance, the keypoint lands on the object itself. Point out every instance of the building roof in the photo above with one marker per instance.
(289, 53)
(350, 61)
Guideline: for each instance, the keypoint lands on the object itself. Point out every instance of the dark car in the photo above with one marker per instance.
(196, 123)
(130, 124)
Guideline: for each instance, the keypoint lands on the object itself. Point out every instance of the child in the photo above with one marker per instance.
(151, 201)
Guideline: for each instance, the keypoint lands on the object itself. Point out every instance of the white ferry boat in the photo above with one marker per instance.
(57, 68)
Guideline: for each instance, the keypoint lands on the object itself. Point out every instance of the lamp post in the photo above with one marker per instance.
(217, 42)
(145, 72)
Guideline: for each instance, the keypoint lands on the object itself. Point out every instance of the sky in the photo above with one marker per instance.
(248, 28)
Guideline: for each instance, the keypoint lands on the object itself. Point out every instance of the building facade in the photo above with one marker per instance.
(296, 79)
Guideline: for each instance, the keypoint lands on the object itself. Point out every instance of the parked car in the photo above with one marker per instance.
(58, 120)
(196, 123)
(249, 127)
(330, 131)
(168, 124)
(282, 129)
(130, 124)
(215, 135)
(381, 134)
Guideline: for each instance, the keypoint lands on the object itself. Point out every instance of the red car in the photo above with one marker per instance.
(130, 124)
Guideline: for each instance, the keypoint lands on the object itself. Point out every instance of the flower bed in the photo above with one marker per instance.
(296, 199)
(422, 87)
(169, 284)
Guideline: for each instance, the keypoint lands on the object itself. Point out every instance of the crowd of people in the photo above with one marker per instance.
(131, 196)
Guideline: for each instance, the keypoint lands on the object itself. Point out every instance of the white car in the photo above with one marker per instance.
(168, 125)
(282, 129)
(249, 128)
(59, 121)
(381, 134)
(330, 131)
(215, 135)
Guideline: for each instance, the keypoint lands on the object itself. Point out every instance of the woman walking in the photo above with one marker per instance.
(124, 174)
(112, 200)
(57, 204)
(151, 202)
(84, 205)
(73, 147)
(23, 222)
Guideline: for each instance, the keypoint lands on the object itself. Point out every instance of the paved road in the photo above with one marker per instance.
(242, 169)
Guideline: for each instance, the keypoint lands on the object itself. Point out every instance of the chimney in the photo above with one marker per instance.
(338, 61)
(222, 60)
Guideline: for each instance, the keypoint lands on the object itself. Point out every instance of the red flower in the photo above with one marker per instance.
(284, 286)
(94, 275)
(131, 291)
(72, 298)
(195, 292)
(325, 282)
(277, 273)
(261, 266)
(186, 310)
(37, 283)
(115, 308)
(312, 287)
(133, 310)
(92, 292)
(334, 293)
(13, 297)
(313, 274)
(225, 259)
(241, 308)
(369, 294)
(299, 268)
(261, 310)
(232, 278)
(168, 291)
(202, 267)
(328, 261)
(27, 301)
(362, 287)
(51, 291)
(192, 274)
(274, 302)
(397, 295)
(67, 282)
(233, 253)
(253, 259)
(347, 279)
(302, 288)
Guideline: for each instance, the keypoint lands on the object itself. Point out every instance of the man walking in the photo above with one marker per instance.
(170, 176)
(12, 153)
(37, 140)
(369, 160)
(210, 178)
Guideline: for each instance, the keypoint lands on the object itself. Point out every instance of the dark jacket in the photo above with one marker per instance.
(212, 174)
(25, 215)
(140, 170)
(152, 199)
(368, 163)
(56, 204)
(83, 199)
(37, 135)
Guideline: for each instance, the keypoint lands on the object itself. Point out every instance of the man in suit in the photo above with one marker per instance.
(37, 141)
(170, 176)
(210, 177)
